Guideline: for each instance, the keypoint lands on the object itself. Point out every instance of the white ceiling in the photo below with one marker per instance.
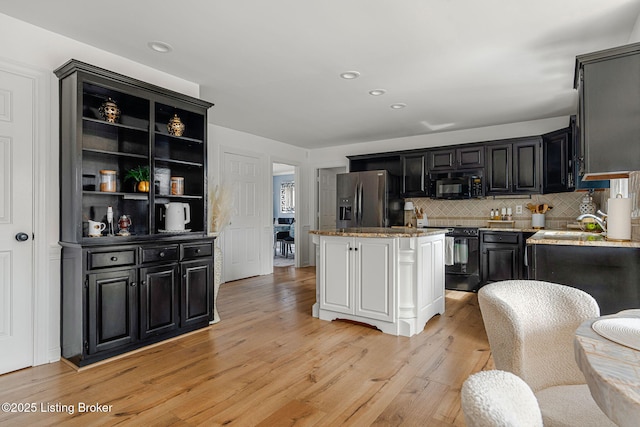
(272, 67)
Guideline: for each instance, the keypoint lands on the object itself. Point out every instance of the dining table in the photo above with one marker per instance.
(607, 351)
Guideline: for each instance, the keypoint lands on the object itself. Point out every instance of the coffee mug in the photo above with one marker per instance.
(96, 228)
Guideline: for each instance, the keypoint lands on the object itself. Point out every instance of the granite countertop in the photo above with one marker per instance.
(380, 232)
(513, 230)
(577, 238)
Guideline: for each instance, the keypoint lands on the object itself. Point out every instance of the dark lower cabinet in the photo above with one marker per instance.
(159, 299)
(196, 291)
(500, 262)
(112, 310)
(502, 256)
(133, 295)
(608, 274)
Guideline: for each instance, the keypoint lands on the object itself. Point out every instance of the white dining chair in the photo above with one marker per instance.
(499, 398)
(531, 326)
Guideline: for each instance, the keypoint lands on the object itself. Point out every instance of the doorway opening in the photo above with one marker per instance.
(284, 215)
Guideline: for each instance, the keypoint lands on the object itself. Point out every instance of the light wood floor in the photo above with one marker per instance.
(269, 363)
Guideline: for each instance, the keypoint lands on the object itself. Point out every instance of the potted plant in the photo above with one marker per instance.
(140, 174)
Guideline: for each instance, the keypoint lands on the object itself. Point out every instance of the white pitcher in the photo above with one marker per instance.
(176, 215)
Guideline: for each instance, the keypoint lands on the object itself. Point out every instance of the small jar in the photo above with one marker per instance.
(108, 181)
(177, 185)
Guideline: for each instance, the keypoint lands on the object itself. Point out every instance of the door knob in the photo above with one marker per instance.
(22, 237)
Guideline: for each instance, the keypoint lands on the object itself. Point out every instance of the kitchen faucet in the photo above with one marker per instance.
(602, 222)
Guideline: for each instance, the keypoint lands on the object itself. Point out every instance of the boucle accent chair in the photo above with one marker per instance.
(499, 398)
(531, 325)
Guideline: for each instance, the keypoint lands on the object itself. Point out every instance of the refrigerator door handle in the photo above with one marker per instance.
(356, 199)
(360, 203)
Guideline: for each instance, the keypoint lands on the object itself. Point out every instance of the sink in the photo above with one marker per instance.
(568, 235)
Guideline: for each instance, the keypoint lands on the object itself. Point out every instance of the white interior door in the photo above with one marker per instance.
(241, 256)
(327, 194)
(16, 216)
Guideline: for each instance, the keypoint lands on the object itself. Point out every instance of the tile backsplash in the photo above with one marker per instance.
(475, 212)
(566, 208)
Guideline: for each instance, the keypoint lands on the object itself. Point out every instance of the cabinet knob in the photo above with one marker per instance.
(144, 282)
(114, 258)
(198, 251)
(161, 254)
(355, 249)
(133, 284)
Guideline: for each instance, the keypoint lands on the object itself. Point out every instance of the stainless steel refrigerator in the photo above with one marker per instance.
(368, 199)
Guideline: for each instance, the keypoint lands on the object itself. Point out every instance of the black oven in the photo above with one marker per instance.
(456, 185)
(462, 258)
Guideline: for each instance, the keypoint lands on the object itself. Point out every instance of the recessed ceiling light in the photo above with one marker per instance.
(161, 47)
(349, 75)
(377, 92)
(398, 106)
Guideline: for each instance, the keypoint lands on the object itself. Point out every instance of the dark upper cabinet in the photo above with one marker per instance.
(499, 160)
(527, 166)
(414, 175)
(608, 84)
(557, 161)
(514, 166)
(456, 158)
(390, 162)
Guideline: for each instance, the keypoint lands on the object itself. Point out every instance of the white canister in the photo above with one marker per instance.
(537, 220)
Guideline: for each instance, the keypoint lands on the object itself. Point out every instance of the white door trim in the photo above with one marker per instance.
(296, 215)
(46, 345)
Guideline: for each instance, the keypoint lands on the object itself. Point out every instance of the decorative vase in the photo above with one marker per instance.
(217, 280)
(109, 110)
(143, 186)
(587, 206)
(175, 126)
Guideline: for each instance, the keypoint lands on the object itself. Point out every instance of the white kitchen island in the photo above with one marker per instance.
(390, 278)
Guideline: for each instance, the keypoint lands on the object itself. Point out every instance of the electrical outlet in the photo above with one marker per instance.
(518, 209)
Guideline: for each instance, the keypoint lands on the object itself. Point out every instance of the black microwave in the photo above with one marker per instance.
(456, 185)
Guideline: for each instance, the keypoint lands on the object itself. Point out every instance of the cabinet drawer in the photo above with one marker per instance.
(501, 238)
(111, 259)
(160, 253)
(197, 250)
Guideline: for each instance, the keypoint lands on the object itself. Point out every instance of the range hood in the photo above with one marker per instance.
(605, 176)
